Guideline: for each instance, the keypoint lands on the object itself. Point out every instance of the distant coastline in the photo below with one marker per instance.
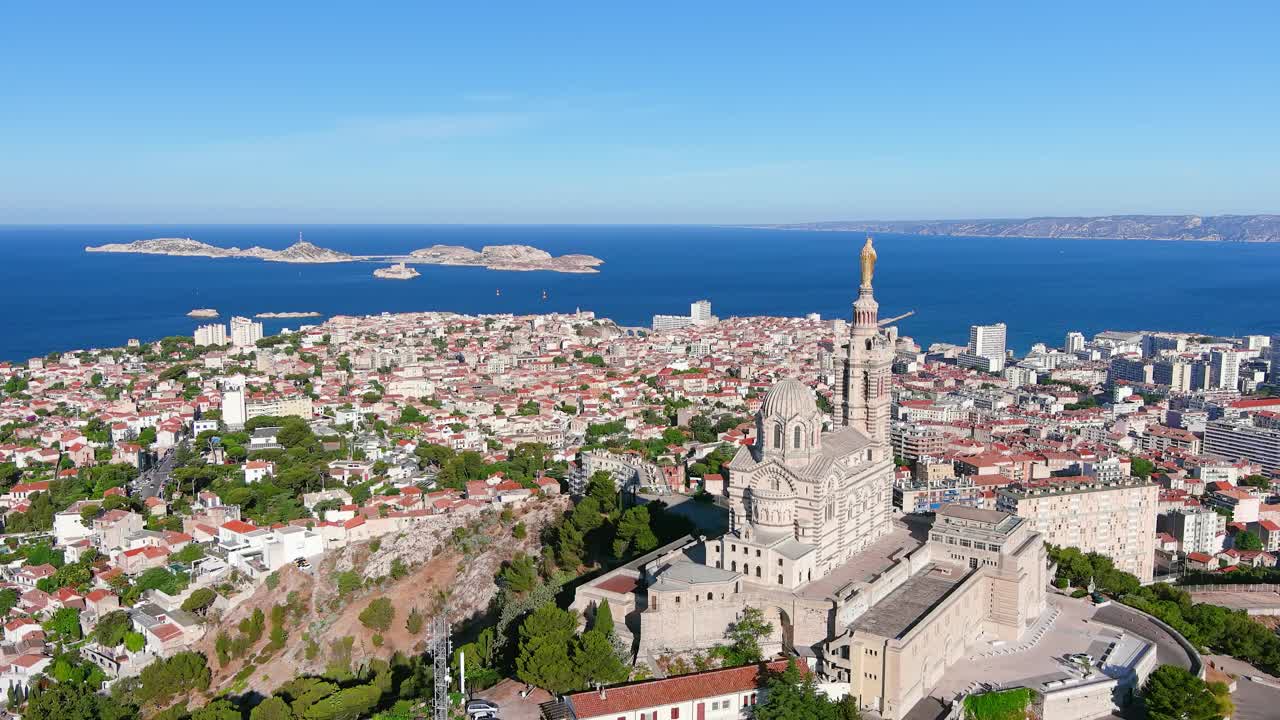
(519, 258)
(1191, 228)
(285, 315)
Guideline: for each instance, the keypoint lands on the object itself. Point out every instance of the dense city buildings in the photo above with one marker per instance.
(881, 503)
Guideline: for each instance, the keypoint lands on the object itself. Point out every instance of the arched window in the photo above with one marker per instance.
(777, 436)
(710, 596)
(774, 483)
(734, 566)
(796, 442)
(779, 578)
(757, 571)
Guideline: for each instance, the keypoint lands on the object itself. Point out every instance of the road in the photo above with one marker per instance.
(151, 483)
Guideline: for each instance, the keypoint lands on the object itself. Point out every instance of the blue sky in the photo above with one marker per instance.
(634, 112)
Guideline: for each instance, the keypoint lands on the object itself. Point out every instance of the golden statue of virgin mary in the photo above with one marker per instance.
(868, 263)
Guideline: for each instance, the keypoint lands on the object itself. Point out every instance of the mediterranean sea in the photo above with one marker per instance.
(56, 297)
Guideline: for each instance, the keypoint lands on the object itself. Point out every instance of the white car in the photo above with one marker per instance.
(482, 709)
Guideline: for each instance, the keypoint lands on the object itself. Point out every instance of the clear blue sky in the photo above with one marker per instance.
(647, 112)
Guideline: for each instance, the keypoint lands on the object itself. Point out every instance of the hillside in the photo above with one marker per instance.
(323, 626)
(1218, 228)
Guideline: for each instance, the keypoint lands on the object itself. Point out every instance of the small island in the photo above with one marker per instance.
(519, 258)
(284, 315)
(203, 313)
(399, 271)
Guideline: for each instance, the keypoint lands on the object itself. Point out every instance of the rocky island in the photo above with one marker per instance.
(299, 252)
(505, 257)
(399, 271)
(284, 315)
(203, 313)
(493, 257)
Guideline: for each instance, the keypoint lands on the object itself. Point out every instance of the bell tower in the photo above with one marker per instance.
(865, 379)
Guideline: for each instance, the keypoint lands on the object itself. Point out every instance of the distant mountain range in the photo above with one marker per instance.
(1214, 228)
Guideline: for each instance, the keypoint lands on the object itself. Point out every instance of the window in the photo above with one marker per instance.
(757, 571)
(757, 552)
(710, 596)
(796, 441)
(675, 713)
(777, 436)
(779, 562)
(734, 566)
(779, 578)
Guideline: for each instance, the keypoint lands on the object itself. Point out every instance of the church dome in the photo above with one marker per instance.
(789, 398)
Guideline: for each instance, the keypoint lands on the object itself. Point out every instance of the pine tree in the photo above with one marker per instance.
(595, 662)
(602, 621)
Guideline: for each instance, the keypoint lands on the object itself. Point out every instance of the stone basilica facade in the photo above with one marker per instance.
(884, 604)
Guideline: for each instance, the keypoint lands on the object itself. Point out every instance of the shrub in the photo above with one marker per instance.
(378, 614)
(1079, 593)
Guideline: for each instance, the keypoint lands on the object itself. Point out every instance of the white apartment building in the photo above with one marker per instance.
(700, 312)
(1224, 369)
(987, 342)
(671, 322)
(1116, 519)
(1240, 439)
(1075, 342)
(212, 334)
(1198, 531)
(245, 333)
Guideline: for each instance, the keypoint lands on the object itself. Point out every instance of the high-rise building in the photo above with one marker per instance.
(1224, 369)
(1197, 531)
(1174, 372)
(986, 348)
(1075, 342)
(700, 312)
(245, 333)
(212, 334)
(233, 404)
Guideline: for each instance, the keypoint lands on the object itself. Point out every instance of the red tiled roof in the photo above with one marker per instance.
(669, 691)
(618, 584)
(238, 526)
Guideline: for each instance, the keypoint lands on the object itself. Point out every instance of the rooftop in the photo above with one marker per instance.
(901, 609)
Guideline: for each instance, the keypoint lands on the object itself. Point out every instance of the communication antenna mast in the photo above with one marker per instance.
(440, 659)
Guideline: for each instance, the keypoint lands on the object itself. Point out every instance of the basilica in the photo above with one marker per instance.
(878, 603)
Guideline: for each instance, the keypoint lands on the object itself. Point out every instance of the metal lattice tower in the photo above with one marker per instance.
(440, 659)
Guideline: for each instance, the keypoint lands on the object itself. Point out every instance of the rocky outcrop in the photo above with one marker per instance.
(299, 252)
(506, 257)
(1217, 228)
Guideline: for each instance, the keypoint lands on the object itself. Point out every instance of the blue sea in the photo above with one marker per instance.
(56, 297)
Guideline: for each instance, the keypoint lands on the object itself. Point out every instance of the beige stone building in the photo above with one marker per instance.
(883, 604)
(1116, 518)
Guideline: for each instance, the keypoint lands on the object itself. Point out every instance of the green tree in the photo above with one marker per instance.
(595, 661)
(64, 623)
(600, 486)
(792, 696)
(378, 614)
(134, 641)
(634, 534)
(199, 600)
(744, 638)
(352, 703)
(602, 621)
(111, 628)
(1247, 540)
(273, 708)
(543, 658)
(1172, 693)
(217, 710)
(519, 573)
(72, 701)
